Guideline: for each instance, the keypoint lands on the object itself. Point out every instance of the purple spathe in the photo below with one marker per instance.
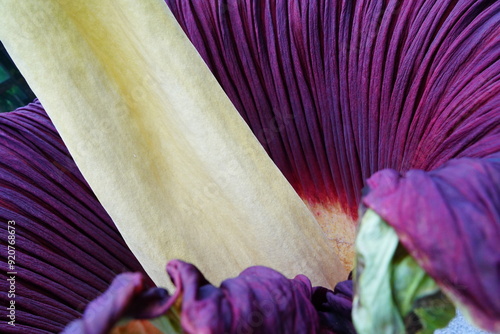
(67, 249)
(338, 90)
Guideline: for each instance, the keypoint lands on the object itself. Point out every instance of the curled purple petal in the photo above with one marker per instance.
(449, 221)
(335, 307)
(149, 304)
(67, 249)
(260, 300)
(125, 298)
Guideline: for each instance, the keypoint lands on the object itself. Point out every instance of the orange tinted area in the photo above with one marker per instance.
(136, 327)
(339, 228)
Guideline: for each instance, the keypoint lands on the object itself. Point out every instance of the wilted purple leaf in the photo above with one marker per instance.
(259, 300)
(449, 221)
(67, 250)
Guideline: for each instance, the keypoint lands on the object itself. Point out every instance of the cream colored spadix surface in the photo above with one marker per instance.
(159, 142)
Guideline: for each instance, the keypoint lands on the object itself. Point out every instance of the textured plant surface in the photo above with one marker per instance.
(400, 98)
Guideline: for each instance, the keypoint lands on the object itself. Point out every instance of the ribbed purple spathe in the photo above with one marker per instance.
(338, 90)
(67, 249)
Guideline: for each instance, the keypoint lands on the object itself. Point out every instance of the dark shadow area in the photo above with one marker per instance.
(14, 91)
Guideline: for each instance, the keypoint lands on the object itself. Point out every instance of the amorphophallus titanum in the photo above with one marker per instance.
(45, 193)
(335, 91)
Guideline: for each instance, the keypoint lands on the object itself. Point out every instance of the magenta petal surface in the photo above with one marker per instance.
(449, 221)
(67, 249)
(337, 90)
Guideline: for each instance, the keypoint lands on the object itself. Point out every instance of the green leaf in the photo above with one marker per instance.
(170, 323)
(437, 316)
(393, 293)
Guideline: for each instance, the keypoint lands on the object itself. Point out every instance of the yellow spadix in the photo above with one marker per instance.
(163, 148)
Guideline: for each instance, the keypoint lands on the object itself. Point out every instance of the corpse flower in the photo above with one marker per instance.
(335, 91)
(44, 192)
